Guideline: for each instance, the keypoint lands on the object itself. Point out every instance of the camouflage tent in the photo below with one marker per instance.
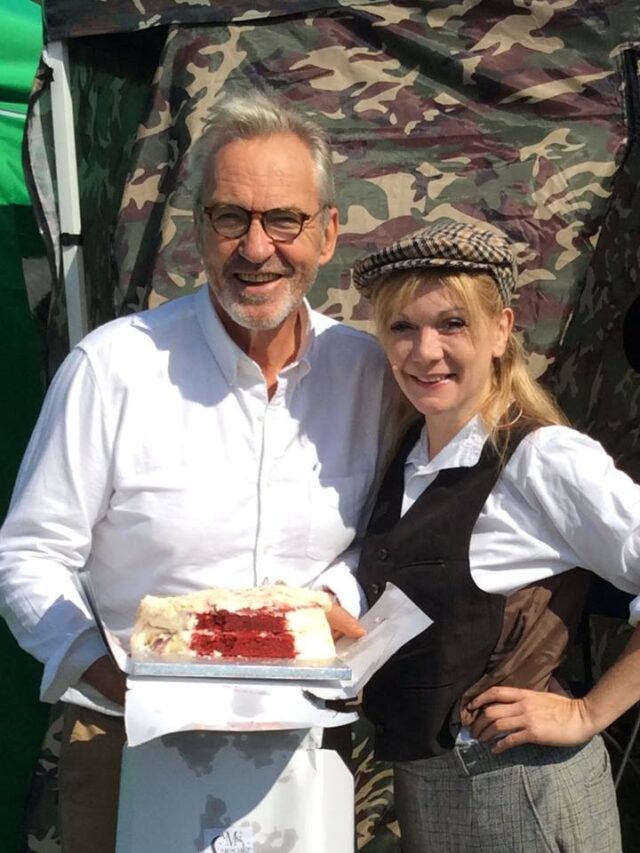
(523, 114)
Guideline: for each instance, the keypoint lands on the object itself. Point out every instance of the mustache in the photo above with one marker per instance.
(232, 268)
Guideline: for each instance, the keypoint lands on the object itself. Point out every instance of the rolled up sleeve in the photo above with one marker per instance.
(62, 488)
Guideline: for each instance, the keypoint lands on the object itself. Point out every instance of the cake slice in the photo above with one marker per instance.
(268, 622)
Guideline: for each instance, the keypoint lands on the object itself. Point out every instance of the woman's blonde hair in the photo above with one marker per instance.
(516, 399)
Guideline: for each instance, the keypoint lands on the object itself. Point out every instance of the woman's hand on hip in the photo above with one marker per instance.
(512, 716)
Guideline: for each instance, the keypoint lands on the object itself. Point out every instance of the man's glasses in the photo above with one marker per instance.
(282, 225)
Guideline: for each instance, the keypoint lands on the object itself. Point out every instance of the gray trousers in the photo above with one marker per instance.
(530, 799)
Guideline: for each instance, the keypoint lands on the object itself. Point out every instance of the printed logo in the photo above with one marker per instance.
(231, 840)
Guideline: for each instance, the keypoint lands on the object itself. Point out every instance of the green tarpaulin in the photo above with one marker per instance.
(21, 381)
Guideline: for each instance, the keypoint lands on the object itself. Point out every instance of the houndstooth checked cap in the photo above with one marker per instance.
(445, 245)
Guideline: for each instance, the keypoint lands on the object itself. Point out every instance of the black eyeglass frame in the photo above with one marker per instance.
(304, 219)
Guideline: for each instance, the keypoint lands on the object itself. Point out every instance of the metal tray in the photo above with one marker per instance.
(287, 670)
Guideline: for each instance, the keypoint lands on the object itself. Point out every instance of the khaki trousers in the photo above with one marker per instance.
(89, 780)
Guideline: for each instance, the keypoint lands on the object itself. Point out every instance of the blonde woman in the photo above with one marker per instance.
(487, 507)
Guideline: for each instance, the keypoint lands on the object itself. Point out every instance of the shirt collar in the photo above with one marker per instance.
(463, 451)
(307, 336)
(228, 354)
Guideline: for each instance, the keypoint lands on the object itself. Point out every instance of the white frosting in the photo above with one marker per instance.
(165, 624)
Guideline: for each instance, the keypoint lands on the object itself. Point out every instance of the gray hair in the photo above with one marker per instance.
(257, 115)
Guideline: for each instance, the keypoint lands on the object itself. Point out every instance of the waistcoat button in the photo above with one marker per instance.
(375, 588)
(383, 553)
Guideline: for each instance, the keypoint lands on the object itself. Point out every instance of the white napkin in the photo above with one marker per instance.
(392, 621)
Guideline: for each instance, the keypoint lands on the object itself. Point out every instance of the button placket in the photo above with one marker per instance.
(270, 415)
(262, 419)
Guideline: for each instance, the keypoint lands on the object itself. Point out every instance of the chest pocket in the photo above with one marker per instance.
(336, 506)
(182, 510)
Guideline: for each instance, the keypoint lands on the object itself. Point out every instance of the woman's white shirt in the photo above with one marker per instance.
(559, 502)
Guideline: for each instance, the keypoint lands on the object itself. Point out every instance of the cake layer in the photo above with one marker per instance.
(241, 620)
(246, 633)
(245, 644)
(273, 622)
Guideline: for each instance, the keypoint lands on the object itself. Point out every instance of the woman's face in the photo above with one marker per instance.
(441, 366)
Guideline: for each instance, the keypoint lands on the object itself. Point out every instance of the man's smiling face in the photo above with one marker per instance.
(254, 280)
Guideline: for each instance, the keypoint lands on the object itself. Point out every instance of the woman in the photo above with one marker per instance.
(488, 505)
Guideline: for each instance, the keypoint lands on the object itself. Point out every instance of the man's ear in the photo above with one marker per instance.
(329, 236)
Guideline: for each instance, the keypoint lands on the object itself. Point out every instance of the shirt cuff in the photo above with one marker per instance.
(88, 697)
(62, 673)
(339, 580)
(634, 611)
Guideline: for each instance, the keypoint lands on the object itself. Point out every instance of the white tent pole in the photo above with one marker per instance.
(57, 58)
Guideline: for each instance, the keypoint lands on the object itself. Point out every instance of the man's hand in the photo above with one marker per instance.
(105, 676)
(517, 716)
(343, 624)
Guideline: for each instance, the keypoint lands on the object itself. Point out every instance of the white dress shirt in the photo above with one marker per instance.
(560, 502)
(160, 464)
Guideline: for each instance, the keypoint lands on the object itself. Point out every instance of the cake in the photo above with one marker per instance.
(267, 622)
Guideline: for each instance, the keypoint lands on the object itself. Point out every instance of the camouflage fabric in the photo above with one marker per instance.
(427, 121)
(524, 115)
(73, 18)
(418, 133)
(591, 376)
(376, 826)
(42, 805)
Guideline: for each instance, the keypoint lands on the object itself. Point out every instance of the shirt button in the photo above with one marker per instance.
(383, 553)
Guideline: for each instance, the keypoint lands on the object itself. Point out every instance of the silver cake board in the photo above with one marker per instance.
(235, 792)
(159, 666)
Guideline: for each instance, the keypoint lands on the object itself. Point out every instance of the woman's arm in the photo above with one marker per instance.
(517, 716)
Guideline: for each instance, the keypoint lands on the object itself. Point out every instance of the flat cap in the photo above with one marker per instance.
(446, 245)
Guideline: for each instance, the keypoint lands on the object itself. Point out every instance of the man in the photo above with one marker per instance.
(227, 438)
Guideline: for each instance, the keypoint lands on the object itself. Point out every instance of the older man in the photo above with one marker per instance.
(227, 438)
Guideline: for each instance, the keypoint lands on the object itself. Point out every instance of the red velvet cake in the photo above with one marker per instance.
(268, 622)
